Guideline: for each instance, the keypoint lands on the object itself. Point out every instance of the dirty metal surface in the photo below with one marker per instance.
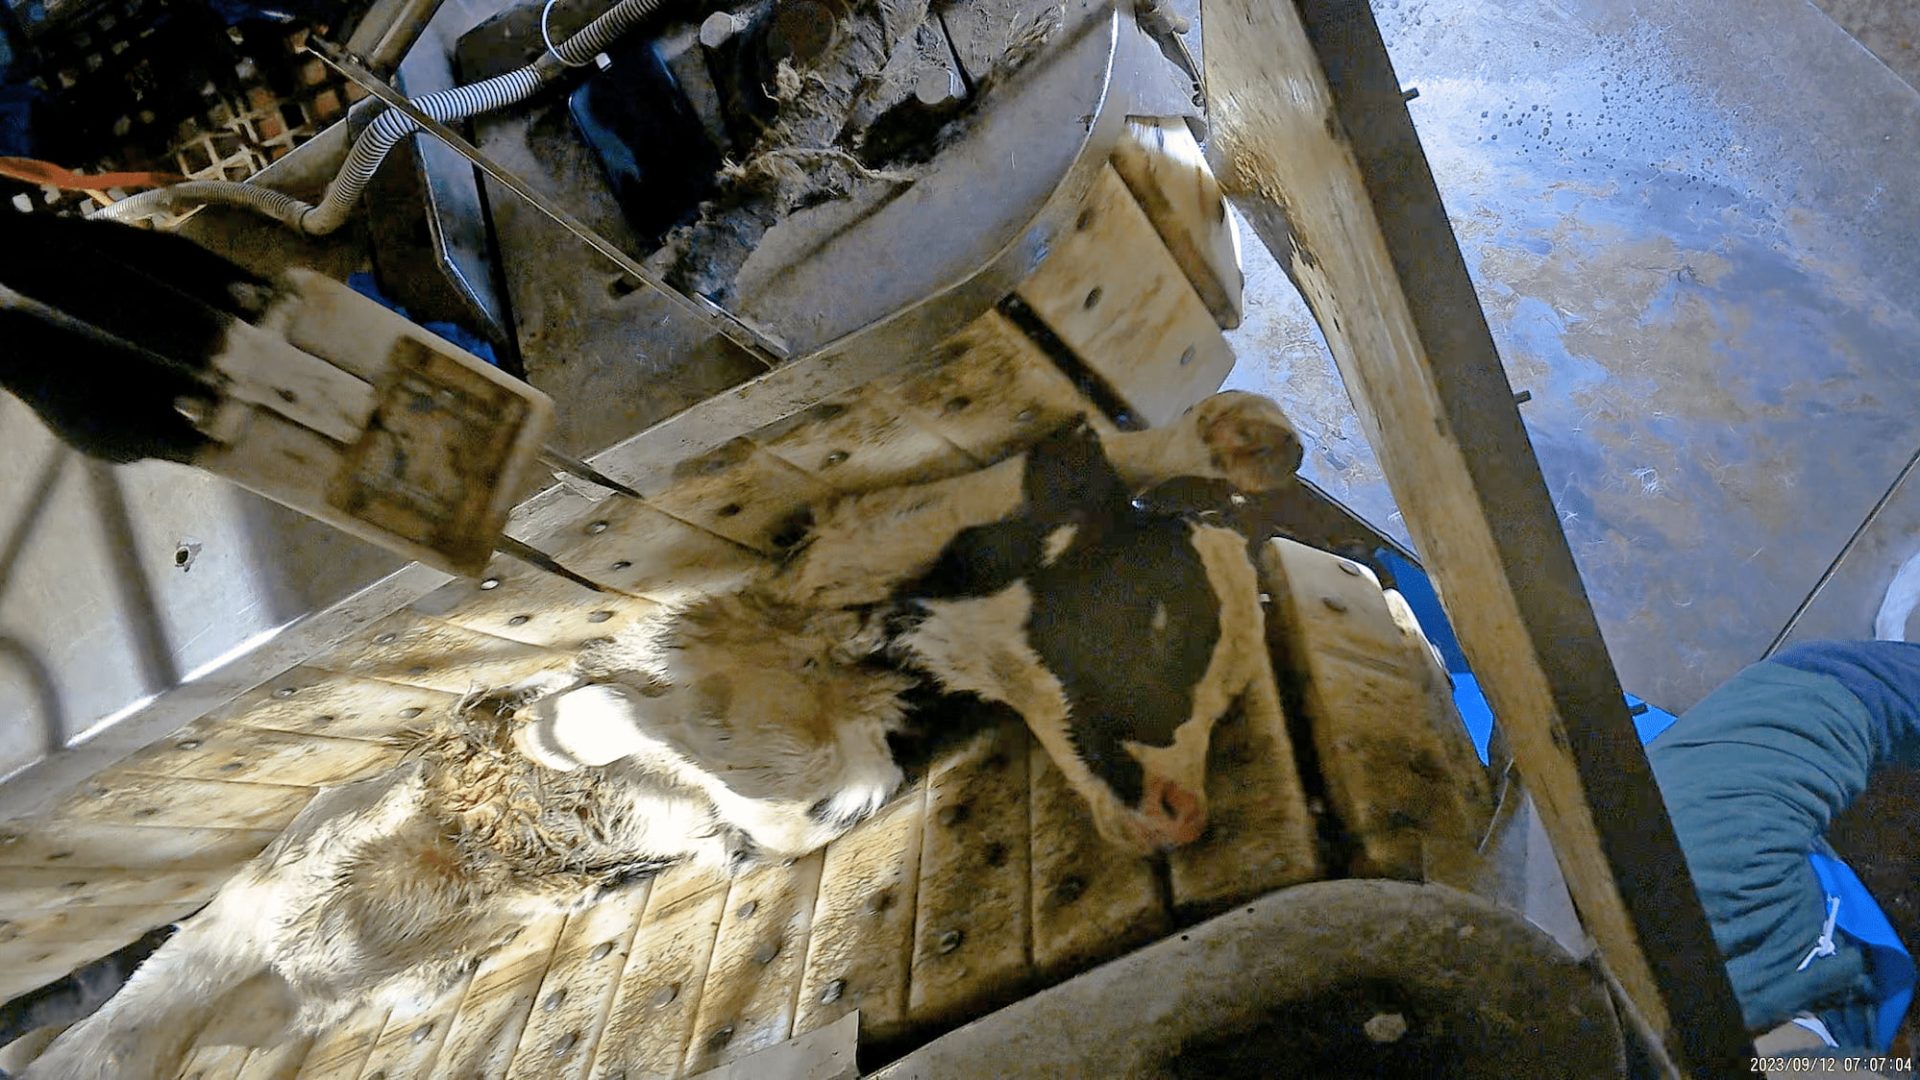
(1694, 243)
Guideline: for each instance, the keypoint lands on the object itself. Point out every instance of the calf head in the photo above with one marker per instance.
(1101, 624)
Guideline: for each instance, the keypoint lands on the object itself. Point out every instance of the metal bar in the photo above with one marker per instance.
(573, 466)
(540, 560)
(735, 329)
(1314, 142)
(1846, 549)
(388, 30)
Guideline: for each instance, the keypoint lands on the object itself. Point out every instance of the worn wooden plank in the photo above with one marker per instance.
(1366, 695)
(742, 493)
(280, 1062)
(113, 926)
(860, 441)
(971, 931)
(1463, 762)
(651, 1020)
(1168, 175)
(629, 545)
(1260, 834)
(1317, 148)
(90, 844)
(570, 1010)
(519, 603)
(485, 1032)
(307, 700)
(44, 888)
(995, 391)
(125, 797)
(214, 1063)
(210, 750)
(860, 952)
(339, 1053)
(1114, 295)
(753, 978)
(31, 961)
(409, 1043)
(408, 647)
(1090, 901)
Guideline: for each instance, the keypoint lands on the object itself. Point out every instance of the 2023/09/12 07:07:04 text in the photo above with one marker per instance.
(1838, 1066)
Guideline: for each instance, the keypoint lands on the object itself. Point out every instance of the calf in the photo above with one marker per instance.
(759, 722)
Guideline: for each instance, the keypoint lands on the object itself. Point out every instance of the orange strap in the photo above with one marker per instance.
(42, 172)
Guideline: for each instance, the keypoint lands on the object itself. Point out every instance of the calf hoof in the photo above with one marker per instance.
(1250, 440)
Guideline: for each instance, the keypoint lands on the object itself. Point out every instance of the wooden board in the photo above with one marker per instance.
(339, 1053)
(520, 603)
(742, 493)
(409, 1043)
(308, 700)
(970, 948)
(1313, 141)
(485, 1033)
(651, 1021)
(87, 924)
(71, 843)
(1114, 295)
(121, 796)
(1090, 900)
(995, 393)
(1390, 778)
(862, 441)
(629, 545)
(280, 1062)
(1167, 174)
(860, 953)
(214, 1063)
(570, 1010)
(211, 750)
(754, 975)
(407, 647)
(43, 888)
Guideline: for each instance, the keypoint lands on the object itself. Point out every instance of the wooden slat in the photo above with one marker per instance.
(1321, 155)
(519, 603)
(570, 1010)
(861, 949)
(754, 975)
(29, 962)
(280, 1062)
(971, 931)
(69, 843)
(1120, 302)
(1168, 176)
(210, 750)
(42, 888)
(1389, 777)
(862, 441)
(1090, 900)
(742, 493)
(409, 1044)
(1260, 835)
(339, 1053)
(651, 1021)
(632, 546)
(994, 393)
(485, 1032)
(1463, 762)
(307, 700)
(88, 924)
(214, 1063)
(121, 796)
(407, 647)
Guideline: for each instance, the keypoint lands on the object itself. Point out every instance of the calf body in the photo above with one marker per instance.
(764, 721)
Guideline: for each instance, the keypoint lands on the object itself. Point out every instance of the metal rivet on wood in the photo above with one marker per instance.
(729, 510)
(720, 1038)
(746, 910)
(520, 620)
(1334, 603)
(601, 951)
(596, 528)
(386, 638)
(410, 712)
(566, 1043)
(420, 1033)
(837, 457)
(1071, 888)
(1348, 568)
(878, 902)
(766, 951)
(284, 692)
(553, 1000)
(599, 616)
(951, 940)
(490, 583)
(665, 996)
(621, 564)
(1093, 298)
(187, 744)
(832, 992)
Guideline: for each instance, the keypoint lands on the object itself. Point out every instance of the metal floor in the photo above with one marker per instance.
(1695, 234)
(1690, 230)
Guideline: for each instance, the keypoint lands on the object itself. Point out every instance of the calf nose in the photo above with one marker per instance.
(1174, 816)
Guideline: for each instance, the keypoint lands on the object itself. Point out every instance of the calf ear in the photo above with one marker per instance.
(1069, 478)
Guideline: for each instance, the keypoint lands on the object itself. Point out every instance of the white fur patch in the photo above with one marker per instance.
(1058, 541)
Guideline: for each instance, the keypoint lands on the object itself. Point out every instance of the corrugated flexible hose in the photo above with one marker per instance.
(386, 132)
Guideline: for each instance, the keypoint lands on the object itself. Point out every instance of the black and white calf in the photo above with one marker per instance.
(762, 721)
